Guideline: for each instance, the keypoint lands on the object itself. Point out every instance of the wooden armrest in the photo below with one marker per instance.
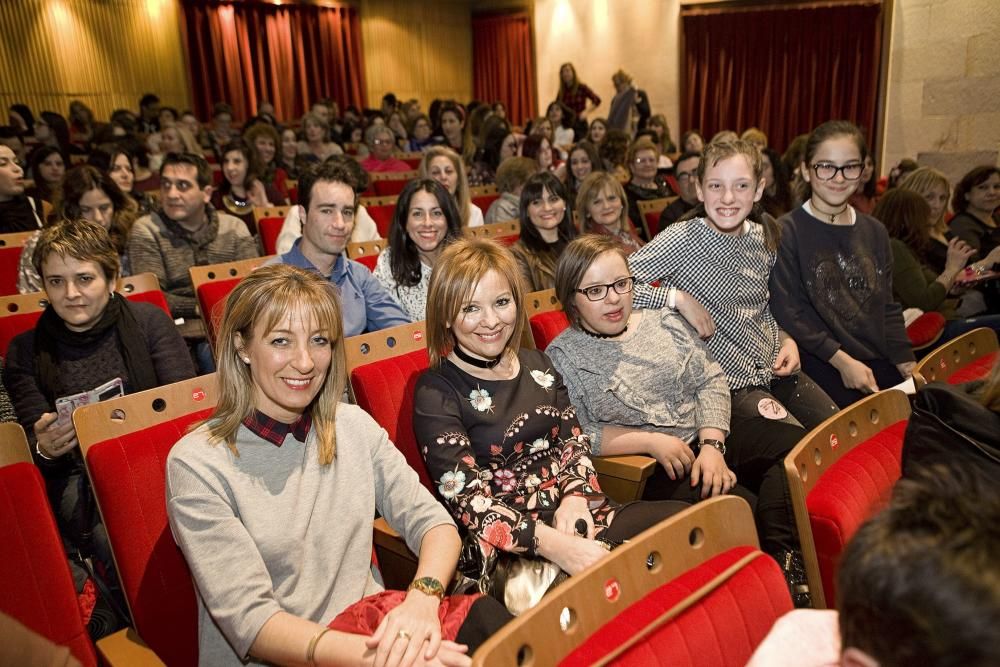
(126, 648)
(623, 478)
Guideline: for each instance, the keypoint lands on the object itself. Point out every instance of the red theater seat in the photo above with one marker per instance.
(269, 230)
(126, 455)
(692, 590)
(840, 474)
(650, 211)
(38, 588)
(545, 317)
(213, 283)
(969, 357)
(10, 257)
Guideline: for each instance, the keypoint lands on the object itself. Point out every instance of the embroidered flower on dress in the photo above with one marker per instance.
(481, 400)
(481, 503)
(539, 445)
(505, 479)
(498, 534)
(452, 483)
(533, 481)
(543, 379)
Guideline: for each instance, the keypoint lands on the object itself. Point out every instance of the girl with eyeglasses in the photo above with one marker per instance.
(831, 287)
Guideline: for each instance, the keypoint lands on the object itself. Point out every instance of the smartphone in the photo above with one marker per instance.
(65, 405)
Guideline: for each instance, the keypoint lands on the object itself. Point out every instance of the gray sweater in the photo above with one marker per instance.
(660, 377)
(271, 530)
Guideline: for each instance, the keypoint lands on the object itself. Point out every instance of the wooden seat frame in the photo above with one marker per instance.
(14, 447)
(820, 449)
(566, 617)
(357, 249)
(261, 212)
(494, 230)
(652, 206)
(949, 358)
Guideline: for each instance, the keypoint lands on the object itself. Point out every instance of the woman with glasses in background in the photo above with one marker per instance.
(643, 158)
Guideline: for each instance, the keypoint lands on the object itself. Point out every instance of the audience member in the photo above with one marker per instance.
(81, 123)
(329, 201)
(47, 166)
(643, 157)
(692, 142)
(287, 160)
(755, 136)
(686, 175)
(19, 212)
(425, 221)
(623, 103)
(583, 160)
(576, 95)
(865, 196)
(87, 194)
(511, 177)
(222, 127)
(185, 231)
(658, 124)
(229, 488)
(242, 188)
(598, 129)
(450, 126)
(933, 186)
(19, 117)
(87, 338)
(562, 119)
(11, 138)
(446, 167)
(317, 144)
(644, 384)
(149, 114)
(831, 288)
(263, 139)
(975, 202)
(472, 134)
(420, 133)
(600, 208)
(539, 148)
(777, 199)
(117, 164)
(381, 145)
(496, 145)
(499, 434)
(546, 227)
(614, 154)
(51, 129)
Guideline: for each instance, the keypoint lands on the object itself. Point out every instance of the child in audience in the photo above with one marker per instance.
(546, 228)
(598, 130)
(424, 222)
(644, 384)
(446, 167)
(831, 288)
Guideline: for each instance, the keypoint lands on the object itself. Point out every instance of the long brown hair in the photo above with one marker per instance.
(82, 179)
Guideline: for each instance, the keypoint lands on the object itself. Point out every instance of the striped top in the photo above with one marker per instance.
(728, 275)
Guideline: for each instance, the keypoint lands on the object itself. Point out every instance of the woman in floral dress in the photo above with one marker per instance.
(497, 430)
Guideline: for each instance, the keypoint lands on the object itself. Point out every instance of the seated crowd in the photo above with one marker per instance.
(764, 293)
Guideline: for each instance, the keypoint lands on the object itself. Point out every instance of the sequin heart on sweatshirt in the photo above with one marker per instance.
(845, 283)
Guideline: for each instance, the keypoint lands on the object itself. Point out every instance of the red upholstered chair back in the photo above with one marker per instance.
(37, 586)
(840, 474)
(391, 183)
(545, 317)
(383, 369)
(269, 229)
(125, 443)
(382, 215)
(144, 287)
(10, 255)
(213, 283)
(660, 599)
(485, 201)
(971, 356)
(19, 313)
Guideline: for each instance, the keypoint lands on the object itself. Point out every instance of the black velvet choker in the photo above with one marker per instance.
(472, 361)
(600, 335)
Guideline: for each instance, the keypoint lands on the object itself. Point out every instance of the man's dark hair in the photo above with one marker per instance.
(687, 155)
(919, 584)
(329, 171)
(390, 99)
(148, 99)
(198, 162)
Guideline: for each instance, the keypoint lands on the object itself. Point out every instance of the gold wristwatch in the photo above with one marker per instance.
(427, 586)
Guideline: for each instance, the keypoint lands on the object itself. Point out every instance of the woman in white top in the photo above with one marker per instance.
(425, 221)
(446, 167)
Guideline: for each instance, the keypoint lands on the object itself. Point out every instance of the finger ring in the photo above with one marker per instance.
(404, 634)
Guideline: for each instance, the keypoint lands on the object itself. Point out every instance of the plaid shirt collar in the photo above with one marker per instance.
(274, 431)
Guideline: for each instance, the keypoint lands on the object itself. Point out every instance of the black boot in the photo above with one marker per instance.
(794, 569)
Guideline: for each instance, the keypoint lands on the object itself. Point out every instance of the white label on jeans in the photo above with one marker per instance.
(770, 408)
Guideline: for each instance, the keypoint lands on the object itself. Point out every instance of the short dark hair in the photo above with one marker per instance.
(920, 582)
(147, 99)
(328, 171)
(405, 258)
(977, 176)
(687, 155)
(196, 161)
(80, 239)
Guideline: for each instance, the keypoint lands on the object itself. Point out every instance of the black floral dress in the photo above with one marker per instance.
(504, 453)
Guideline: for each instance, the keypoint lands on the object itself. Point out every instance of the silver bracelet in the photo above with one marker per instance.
(38, 448)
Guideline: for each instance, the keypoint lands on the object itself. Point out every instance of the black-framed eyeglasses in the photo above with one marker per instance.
(827, 172)
(600, 292)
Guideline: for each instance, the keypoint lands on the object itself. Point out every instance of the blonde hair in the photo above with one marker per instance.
(456, 273)
(592, 186)
(462, 198)
(921, 180)
(755, 136)
(265, 298)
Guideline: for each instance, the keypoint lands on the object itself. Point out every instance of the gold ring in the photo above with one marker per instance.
(404, 634)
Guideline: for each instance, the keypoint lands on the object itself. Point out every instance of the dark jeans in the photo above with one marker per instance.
(766, 423)
(828, 377)
(635, 517)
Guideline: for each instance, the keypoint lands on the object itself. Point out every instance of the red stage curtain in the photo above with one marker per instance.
(503, 63)
(290, 55)
(784, 69)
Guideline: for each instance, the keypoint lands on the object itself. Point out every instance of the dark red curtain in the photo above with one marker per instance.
(784, 69)
(290, 55)
(503, 63)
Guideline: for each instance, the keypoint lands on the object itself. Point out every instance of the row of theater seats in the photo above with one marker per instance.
(661, 599)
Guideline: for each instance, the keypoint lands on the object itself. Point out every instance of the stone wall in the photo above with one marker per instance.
(943, 87)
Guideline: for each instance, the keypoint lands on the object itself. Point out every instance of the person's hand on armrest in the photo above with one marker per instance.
(853, 373)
